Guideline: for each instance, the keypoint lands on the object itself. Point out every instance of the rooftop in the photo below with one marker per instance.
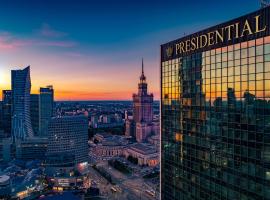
(4, 178)
(143, 148)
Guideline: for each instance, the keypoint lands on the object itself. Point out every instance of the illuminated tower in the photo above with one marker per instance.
(142, 102)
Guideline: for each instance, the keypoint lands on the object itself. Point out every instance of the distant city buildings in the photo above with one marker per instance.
(21, 120)
(106, 120)
(60, 144)
(141, 126)
(20, 115)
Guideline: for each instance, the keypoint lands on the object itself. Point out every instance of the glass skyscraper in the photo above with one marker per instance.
(46, 104)
(21, 87)
(215, 112)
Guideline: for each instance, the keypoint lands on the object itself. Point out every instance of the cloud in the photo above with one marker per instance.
(54, 43)
(47, 31)
(9, 41)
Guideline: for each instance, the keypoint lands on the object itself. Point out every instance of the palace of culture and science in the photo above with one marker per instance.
(142, 126)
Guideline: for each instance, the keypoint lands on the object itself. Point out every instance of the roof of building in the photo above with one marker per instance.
(4, 178)
(143, 148)
(114, 140)
(103, 134)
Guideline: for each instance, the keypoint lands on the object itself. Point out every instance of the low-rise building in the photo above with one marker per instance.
(109, 146)
(145, 153)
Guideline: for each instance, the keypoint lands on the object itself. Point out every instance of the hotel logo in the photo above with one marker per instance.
(169, 51)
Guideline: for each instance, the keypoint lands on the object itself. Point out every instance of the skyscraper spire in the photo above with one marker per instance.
(142, 78)
(142, 67)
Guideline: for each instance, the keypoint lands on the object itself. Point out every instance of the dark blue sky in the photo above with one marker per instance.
(104, 36)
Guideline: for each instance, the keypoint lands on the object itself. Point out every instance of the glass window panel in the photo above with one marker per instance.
(259, 76)
(237, 54)
(259, 84)
(237, 62)
(230, 71)
(267, 84)
(244, 61)
(230, 55)
(251, 51)
(237, 70)
(259, 67)
(230, 79)
(259, 50)
(218, 58)
(251, 60)
(267, 66)
(267, 75)
(267, 57)
(267, 49)
(243, 53)
(251, 85)
(213, 59)
(224, 57)
(244, 69)
(251, 68)
(251, 77)
(244, 86)
(244, 78)
(267, 40)
(259, 41)
(259, 59)
(251, 43)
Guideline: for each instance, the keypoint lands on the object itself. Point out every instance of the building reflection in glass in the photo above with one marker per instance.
(216, 123)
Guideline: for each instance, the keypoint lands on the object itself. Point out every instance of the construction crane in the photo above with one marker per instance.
(264, 3)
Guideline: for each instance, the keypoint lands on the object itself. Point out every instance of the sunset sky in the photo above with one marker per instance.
(92, 50)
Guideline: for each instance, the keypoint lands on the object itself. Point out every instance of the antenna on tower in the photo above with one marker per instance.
(264, 3)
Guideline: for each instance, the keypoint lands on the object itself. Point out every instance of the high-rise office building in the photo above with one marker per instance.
(6, 112)
(68, 136)
(21, 121)
(215, 112)
(46, 102)
(34, 112)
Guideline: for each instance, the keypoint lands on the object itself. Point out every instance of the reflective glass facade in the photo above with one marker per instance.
(215, 123)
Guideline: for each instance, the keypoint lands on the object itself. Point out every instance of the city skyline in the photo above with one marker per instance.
(103, 61)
